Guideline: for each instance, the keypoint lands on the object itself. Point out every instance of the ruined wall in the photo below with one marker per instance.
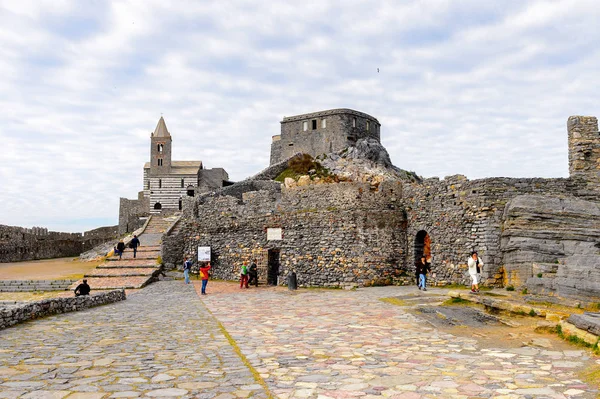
(132, 213)
(333, 234)
(584, 154)
(462, 215)
(211, 179)
(19, 244)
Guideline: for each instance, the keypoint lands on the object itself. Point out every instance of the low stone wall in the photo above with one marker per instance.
(18, 314)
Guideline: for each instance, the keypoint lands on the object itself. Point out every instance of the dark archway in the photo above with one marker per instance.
(157, 206)
(422, 246)
(190, 191)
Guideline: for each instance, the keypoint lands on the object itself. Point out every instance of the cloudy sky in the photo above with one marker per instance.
(480, 88)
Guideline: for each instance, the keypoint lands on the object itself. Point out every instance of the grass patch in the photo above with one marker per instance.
(394, 301)
(494, 294)
(539, 275)
(524, 292)
(591, 375)
(575, 340)
(159, 260)
(510, 288)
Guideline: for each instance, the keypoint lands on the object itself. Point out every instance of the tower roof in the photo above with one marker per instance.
(161, 129)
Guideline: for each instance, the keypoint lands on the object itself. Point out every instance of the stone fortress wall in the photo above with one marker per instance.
(20, 244)
(322, 133)
(334, 235)
(540, 233)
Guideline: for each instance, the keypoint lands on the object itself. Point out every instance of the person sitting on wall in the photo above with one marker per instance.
(120, 248)
(83, 289)
(253, 274)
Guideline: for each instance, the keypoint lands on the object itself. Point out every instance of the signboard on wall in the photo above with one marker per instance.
(203, 254)
(274, 233)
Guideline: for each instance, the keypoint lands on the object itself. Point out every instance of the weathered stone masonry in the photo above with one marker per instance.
(19, 244)
(334, 235)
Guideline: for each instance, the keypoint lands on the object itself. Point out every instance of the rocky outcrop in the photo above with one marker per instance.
(543, 230)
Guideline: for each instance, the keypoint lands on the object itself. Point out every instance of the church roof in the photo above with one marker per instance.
(161, 129)
(182, 167)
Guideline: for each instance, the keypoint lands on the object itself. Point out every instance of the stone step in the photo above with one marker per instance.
(140, 255)
(131, 262)
(132, 271)
(105, 283)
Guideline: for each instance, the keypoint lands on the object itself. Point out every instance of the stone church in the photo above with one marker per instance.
(167, 182)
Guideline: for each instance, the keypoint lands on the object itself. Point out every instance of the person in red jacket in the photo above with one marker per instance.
(204, 276)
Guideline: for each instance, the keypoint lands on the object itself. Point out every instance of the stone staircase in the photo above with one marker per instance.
(130, 273)
(34, 285)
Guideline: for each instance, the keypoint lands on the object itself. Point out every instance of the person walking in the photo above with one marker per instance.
(423, 267)
(244, 276)
(204, 276)
(253, 272)
(134, 244)
(187, 267)
(121, 248)
(475, 266)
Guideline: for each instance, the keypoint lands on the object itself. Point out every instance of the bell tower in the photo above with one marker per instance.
(160, 150)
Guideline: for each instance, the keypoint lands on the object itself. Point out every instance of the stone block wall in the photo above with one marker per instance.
(462, 215)
(333, 234)
(584, 154)
(133, 213)
(343, 127)
(35, 310)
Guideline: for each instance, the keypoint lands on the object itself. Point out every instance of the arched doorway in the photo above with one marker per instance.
(422, 246)
(157, 206)
(190, 191)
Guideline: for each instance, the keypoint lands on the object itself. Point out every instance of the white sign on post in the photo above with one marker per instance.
(203, 254)
(274, 233)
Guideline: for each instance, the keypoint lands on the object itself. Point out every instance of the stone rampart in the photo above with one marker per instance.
(133, 213)
(20, 244)
(35, 310)
(462, 215)
(342, 234)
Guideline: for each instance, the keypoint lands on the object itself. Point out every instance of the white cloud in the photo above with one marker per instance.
(85, 83)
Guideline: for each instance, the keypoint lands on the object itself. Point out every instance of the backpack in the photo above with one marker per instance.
(187, 265)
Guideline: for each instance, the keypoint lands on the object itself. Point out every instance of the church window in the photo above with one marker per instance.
(160, 148)
(353, 122)
(323, 123)
(368, 125)
(305, 126)
(159, 183)
(181, 183)
(180, 204)
(160, 162)
(314, 124)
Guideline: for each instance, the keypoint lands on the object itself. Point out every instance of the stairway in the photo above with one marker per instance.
(133, 273)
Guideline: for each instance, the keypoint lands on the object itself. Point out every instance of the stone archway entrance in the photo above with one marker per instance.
(422, 246)
(157, 206)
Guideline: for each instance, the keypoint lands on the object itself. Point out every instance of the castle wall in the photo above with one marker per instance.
(333, 235)
(20, 244)
(462, 215)
(132, 213)
(584, 154)
(211, 179)
(343, 127)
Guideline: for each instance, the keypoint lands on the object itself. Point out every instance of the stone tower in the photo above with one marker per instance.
(584, 150)
(160, 150)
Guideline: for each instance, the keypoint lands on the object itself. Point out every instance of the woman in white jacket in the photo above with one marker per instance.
(475, 266)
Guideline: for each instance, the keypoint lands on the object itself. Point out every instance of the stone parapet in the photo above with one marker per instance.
(23, 312)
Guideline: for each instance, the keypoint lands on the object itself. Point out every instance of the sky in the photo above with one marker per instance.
(473, 87)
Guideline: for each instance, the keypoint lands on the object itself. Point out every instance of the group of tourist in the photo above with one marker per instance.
(474, 263)
(249, 275)
(133, 244)
(202, 271)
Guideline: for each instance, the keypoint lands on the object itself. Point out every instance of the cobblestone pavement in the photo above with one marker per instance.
(339, 344)
(160, 342)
